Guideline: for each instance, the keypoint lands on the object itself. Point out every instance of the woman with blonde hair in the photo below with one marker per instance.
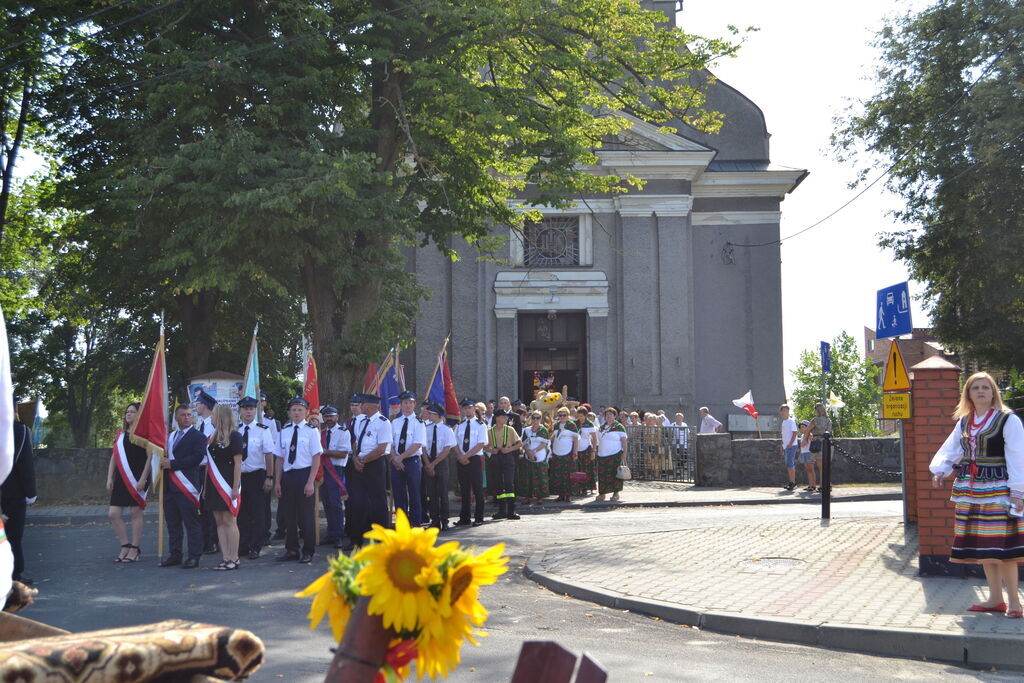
(533, 475)
(986, 451)
(565, 440)
(224, 483)
(127, 482)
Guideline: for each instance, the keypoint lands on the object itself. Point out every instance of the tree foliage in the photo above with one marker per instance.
(948, 115)
(852, 378)
(292, 148)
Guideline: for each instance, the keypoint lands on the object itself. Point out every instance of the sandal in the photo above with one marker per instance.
(124, 553)
(222, 567)
(231, 564)
(138, 554)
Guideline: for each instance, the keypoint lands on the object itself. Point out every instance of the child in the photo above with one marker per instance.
(806, 457)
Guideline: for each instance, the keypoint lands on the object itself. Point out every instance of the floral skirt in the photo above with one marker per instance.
(585, 464)
(532, 479)
(558, 471)
(607, 482)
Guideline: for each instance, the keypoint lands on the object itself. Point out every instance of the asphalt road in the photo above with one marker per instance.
(81, 589)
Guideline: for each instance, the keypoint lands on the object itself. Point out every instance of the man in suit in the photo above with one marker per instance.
(183, 480)
(17, 492)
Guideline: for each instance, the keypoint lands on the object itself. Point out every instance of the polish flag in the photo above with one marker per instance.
(150, 427)
(746, 402)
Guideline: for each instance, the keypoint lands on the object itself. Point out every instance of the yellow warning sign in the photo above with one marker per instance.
(896, 377)
(896, 406)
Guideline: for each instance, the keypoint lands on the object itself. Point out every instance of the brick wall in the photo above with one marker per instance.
(936, 390)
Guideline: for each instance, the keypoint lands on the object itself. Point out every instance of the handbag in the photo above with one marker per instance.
(815, 445)
(622, 472)
(578, 477)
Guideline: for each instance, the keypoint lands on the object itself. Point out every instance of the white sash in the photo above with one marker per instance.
(130, 482)
(183, 483)
(222, 487)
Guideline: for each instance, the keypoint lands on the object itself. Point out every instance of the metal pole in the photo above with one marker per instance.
(826, 475)
(903, 475)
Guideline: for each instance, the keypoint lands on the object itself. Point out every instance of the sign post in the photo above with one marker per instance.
(892, 310)
(826, 367)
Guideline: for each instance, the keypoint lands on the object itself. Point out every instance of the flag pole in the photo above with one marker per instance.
(437, 367)
(159, 481)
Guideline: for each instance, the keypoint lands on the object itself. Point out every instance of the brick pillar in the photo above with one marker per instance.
(936, 390)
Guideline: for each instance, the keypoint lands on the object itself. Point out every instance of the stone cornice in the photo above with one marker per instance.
(768, 183)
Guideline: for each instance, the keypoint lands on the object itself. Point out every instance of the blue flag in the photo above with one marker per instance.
(390, 386)
(251, 379)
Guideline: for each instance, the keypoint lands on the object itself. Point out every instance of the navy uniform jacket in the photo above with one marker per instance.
(188, 455)
(21, 483)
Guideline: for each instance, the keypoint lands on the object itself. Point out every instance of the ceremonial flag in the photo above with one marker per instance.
(251, 377)
(6, 410)
(38, 432)
(746, 402)
(311, 388)
(390, 384)
(370, 379)
(441, 389)
(150, 427)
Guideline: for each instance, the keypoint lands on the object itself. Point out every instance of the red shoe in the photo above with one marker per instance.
(1001, 607)
(1014, 614)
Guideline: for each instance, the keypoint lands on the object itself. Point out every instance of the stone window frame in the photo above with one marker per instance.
(586, 243)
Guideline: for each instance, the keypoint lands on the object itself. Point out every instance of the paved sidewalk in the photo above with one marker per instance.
(852, 584)
(636, 494)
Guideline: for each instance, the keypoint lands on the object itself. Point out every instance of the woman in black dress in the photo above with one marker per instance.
(224, 482)
(127, 462)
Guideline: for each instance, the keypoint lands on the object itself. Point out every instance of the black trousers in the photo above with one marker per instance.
(181, 514)
(252, 518)
(15, 509)
(209, 524)
(505, 481)
(435, 488)
(298, 510)
(367, 499)
(471, 481)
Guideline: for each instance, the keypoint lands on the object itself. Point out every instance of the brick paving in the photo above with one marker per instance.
(852, 572)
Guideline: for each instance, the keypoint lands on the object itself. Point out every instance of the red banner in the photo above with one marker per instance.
(451, 401)
(311, 388)
(150, 427)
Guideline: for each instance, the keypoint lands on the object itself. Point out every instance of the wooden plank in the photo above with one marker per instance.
(544, 662)
(590, 671)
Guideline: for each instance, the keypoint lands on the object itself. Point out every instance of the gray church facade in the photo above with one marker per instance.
(639, 299)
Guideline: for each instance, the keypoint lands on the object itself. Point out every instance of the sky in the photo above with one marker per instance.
(807, 62)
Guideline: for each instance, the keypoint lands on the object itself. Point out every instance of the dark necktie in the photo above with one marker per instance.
(327, 446)
(295, 444)
(401, 437)
(465, 439)
(245, 442)
(177, 438)
(362, 433)
(433, 445)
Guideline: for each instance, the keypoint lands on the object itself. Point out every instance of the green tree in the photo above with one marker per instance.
(852, 378)
(948, 116)
(297, 146)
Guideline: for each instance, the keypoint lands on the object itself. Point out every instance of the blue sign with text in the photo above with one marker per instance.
(826, 357)
(892, 312)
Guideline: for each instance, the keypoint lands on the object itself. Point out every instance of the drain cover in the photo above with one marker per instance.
(771, 565)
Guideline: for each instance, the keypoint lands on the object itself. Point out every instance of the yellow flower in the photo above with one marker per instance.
(327, 601)
(399, 568)
(459, 609)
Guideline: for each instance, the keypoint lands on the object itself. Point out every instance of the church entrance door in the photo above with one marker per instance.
(553, 353)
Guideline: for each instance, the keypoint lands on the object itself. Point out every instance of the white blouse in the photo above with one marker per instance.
(537, 444)
(611, 442)
(562, 440)
(951, 452)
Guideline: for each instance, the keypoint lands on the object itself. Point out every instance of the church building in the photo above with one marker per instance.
(647, 299)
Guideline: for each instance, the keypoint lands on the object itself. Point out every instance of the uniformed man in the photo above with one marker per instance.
(298, 461)
(408, 437)
(337, 446)
(424, 415)
(470, 440)
(258, 451)
(182, 485)
(204, 425)
(503, 443)
(274, 426)
(367, 496)
(440, 442)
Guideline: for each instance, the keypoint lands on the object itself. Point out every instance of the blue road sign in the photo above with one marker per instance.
(826, 357)
(892, 312)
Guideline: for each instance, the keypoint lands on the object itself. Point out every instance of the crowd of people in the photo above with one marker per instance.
(222, 472)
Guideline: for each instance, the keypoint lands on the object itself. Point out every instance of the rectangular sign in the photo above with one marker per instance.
(892, 312)
(826, 357)
(896, 406)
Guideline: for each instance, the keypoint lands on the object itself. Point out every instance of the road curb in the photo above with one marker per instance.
(603, 505)
(1000, 650)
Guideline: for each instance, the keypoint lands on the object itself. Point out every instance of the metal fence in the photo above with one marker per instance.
(659, 454)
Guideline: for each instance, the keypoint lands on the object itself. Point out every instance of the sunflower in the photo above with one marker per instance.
(462, 589)
(399, 569)
(328, 601)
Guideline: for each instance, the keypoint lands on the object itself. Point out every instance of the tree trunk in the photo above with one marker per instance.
(196, 312)
(12, 154)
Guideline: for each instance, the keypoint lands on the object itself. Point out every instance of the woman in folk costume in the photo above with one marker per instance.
(565, 440)
(611, 452)
(986, 451)
(127, 481)
(587, 446)
(223, 487)
(533, 469)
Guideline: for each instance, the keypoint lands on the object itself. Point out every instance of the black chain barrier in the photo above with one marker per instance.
(894, 474)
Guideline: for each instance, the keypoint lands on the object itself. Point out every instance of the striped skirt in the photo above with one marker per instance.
(607, 482)
(559, 468)
(986, 531)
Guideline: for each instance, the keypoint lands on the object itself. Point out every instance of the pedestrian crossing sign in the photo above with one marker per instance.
(896, 377)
